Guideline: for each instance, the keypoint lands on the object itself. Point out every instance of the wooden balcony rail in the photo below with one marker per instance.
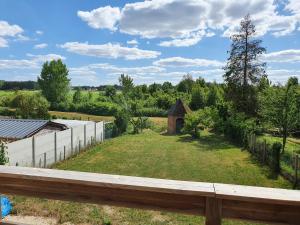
(214, 201)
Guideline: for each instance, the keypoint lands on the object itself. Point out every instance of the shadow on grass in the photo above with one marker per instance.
(210, 142)
(265, 170)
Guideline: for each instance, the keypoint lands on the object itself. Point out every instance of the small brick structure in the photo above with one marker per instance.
(176, 117)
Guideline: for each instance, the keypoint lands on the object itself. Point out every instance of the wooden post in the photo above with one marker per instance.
(55, 147)
(45, 160)
(0, 210)
(296, 170)
(33, 151)
(79, 149)
(213, 211)
(265, 151)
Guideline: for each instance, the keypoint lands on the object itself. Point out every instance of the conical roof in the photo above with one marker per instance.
(179, 109)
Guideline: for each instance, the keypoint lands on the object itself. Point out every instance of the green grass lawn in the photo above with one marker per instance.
(209, 159)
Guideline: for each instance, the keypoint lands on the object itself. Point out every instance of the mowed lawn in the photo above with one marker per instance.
(209, 159)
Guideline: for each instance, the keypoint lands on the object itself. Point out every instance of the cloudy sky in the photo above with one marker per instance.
(153, 41)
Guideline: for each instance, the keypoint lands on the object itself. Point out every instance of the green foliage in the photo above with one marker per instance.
(121, 121)
(280, 106)
(243, 69)
(191, 124)
(163, 100)
(198, 97)
(126, 83)
(275, 164)
(110, 91)
(54, 81)
(31, 106)
(238, 127)
(3, 158)
(77, 97)
(186, 84)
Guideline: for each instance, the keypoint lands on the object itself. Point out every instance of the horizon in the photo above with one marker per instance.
(99, 40)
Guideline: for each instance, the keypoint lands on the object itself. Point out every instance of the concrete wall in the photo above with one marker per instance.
(45, 150)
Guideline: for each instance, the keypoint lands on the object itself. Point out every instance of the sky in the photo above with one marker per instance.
(152, 41)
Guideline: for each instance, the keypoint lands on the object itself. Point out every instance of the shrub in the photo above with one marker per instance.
(121, 121)
(191, 124)
(153, 112)
(238, 127)
(275, 162)
(3, 157)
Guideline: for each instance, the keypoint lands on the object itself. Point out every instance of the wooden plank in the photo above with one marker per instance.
(110, 181)
(258, 194)
(213, 211)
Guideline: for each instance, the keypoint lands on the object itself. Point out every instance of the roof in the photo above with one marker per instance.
(72, 123)
(179, 109)
(21, 128)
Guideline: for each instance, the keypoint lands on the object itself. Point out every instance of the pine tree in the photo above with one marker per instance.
(244, 69)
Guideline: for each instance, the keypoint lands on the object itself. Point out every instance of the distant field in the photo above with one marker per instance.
(209, 159)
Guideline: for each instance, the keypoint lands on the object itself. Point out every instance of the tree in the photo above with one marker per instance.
(54, 81)
(31, 106)
(126, 82)
(243, 69)
(186, 84)
(212, 96)
(191, 124)
(281, 108)
(3, 158)
(110, 91)
(167, 86)
(77, 97)
(198, 97)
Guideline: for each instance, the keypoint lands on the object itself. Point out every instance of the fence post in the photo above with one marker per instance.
(72, 147)
(33, 151)
(296, 170)
(95, 131)
(55, 147)
(79, 146)
(84, 139)
(0, 210)
(45, 160)
(64, 152)
(213, 211)
(265, 151)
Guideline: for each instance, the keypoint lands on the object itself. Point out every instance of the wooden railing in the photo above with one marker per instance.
(214, 201)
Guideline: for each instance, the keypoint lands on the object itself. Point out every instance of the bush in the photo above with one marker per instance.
(238, 127)
(121, 122)
(275, 162)
(191, 124)
(31, 106)
(3, 158)
(153, 112)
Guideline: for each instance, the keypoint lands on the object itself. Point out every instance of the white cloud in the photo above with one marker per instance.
(186, 62)
(3, 43)
(7, 30)
(133, 42)
(282, 75)
(109, 50)
(40, 46)
(185, 42)
(180, 20)
(39, 32)
(285, 56)
(103, 17)
(33, 62)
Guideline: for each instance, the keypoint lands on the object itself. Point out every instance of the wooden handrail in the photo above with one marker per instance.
(214, 201)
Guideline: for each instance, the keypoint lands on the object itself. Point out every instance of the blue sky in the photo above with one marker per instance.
(153, 41)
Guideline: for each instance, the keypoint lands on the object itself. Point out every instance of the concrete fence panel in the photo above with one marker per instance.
(20, 152)
(45, 150)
